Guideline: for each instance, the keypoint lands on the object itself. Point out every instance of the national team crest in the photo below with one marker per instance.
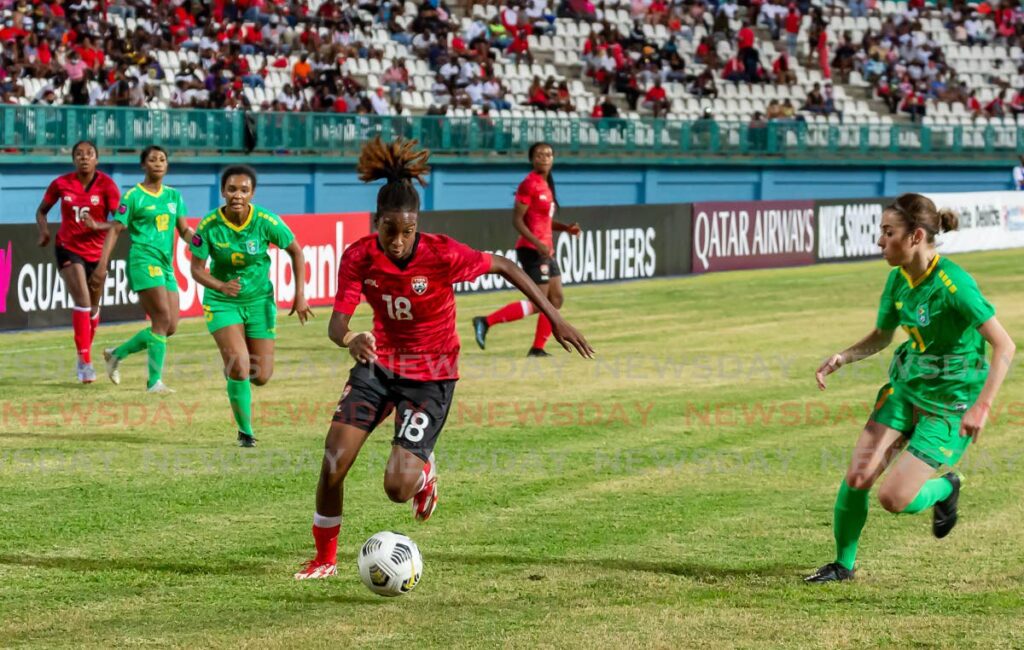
(172, 208)
(251, 246)
(95, 200)
(419, 285)
(923, 316)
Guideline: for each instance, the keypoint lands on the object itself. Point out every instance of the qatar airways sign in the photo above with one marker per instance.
(752, 235)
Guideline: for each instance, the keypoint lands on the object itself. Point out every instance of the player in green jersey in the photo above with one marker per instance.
(940, 386)
(238, 303)
(150, 212)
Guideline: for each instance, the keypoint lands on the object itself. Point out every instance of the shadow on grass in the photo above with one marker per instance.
(686, 569)
(84, 565)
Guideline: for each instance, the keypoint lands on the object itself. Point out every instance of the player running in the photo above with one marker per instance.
(150, 212)
(239, 304)
(534, 218)
(85, 194)
(409, 362)
(940, 387)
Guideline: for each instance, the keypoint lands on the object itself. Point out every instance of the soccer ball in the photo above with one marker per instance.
(390, 564)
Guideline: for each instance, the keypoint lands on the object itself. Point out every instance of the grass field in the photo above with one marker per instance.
(670, 494)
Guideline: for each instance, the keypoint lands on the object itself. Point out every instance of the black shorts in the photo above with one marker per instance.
(540, 269)
(421, 407)
(66, 258)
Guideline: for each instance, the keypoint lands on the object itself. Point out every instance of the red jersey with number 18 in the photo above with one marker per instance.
(96, 200)
(413, 302)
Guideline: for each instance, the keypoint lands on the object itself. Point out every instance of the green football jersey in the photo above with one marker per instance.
(240, 251)
(942, 365)
(151, 218)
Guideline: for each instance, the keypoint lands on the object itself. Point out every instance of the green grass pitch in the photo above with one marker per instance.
(669, 494)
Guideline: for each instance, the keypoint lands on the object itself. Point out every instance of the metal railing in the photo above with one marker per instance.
(42, 129)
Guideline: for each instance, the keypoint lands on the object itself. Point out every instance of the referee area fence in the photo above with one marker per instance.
(618, 243)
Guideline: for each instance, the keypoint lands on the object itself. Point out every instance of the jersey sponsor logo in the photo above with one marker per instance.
(923, 315)
(250, 246)
(68, 198)
(95, 200)
(899, 305)
(419, 285)
(197, 240)
(370, 282)
(172, 208)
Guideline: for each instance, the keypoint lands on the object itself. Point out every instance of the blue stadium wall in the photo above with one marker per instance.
(292, 187)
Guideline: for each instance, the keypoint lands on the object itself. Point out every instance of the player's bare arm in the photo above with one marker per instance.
(875, 341)
(564, 333)
(1003, 351)
(361, 345)
(99, 276)
(44, 228)
(519, 220)
(202, 275)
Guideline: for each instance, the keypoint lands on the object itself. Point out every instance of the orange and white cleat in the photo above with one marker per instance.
(425, 501)
(315, 569)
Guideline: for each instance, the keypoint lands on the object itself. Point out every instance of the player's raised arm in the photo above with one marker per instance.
(875, 341)
(564, 333)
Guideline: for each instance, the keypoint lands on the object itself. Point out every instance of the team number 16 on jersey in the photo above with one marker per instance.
(399, 308)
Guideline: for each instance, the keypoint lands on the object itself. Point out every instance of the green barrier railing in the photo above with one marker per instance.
(36, 129)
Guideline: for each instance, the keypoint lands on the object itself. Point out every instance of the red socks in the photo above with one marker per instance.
(512, 311)
(540, 337)
(82, 326)
(95, 323)
(326, 543)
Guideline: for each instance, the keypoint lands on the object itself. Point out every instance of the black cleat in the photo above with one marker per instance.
(944, 513)
(245, 440)
(538, 352)
(480, 328)
(833, 572)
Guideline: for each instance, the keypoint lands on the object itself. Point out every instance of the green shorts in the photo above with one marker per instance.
(147, 270)
(258, 317)
(934, 438)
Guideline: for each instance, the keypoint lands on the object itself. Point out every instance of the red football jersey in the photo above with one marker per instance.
(535, 193)
(98, 199)
(414, 306)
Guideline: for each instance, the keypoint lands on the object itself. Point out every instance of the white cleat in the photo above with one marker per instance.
(86, 374)
(112, 363)
(160, 388)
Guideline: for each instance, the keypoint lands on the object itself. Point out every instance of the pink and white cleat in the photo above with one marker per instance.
(425, 501)
(315, 569)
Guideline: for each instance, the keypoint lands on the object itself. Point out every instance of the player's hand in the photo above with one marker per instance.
(833, 363)
(98, 278)
(44, 238)
(543, 250)
(974, 421)
(363, 348)
(574, 229)
(231, 289)
(570, 338)
(302, 308)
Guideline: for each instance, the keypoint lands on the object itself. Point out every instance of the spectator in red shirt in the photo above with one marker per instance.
(657, 100)
(793, 19)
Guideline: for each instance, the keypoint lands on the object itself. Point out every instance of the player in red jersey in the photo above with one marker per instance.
(86, 196)
(534, 218)
(409, 362)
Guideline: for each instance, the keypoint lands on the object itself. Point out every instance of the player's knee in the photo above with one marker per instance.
(396, 489)
(238, 372)
(260, 378)
(892, 500)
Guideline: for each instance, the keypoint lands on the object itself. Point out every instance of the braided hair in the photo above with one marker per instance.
(399, 163)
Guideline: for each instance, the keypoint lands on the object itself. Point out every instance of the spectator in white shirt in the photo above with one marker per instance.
(1018, 176)
(379, 103)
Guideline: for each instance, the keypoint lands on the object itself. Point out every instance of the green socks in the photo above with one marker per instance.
(156, 351)
(850, 514)
(135, 344)
(932, 492)
(156, 347)
(240, 396)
